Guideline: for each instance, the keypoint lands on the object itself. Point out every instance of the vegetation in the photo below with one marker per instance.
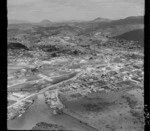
(17, 46)
(135, 35)
(48, 126)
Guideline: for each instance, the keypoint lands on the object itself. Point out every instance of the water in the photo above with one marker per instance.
(40, 112)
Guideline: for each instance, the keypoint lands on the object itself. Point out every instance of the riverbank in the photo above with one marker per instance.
(40, 112)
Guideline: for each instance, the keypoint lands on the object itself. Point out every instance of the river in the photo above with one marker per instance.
(41, 112)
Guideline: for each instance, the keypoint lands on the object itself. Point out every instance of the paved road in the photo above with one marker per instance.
(45, 89)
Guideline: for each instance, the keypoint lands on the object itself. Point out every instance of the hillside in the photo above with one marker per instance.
(88, 28)
(99, 19)
(75, 33)
(135, 35)
(115, 27)
(16, 46)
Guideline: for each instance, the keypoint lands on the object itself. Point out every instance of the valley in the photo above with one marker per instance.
(76, 76)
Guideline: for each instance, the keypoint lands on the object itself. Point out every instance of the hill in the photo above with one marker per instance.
(16, 46)
(45, 22)
(114, 27)
(135, 35)
(99, 19)
(33, 33)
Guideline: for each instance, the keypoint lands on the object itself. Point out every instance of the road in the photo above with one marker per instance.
(23, 82)
(45, 89)
(45, 77)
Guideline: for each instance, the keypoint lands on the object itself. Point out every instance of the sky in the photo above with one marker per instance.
(62, 10)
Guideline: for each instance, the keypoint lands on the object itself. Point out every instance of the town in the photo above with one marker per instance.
(75, 75)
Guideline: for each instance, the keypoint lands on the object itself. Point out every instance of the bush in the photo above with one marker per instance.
(53, 55)
(75, 52)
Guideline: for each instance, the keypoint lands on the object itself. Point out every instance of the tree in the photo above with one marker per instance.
(91, 58)
(54, 55)
(75, 52)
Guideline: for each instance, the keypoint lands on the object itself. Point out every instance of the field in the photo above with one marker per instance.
(108, 111)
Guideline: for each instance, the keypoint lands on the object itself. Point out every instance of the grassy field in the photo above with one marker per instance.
(107, 111)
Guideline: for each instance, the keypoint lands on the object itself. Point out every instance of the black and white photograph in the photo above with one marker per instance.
(75, 65)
